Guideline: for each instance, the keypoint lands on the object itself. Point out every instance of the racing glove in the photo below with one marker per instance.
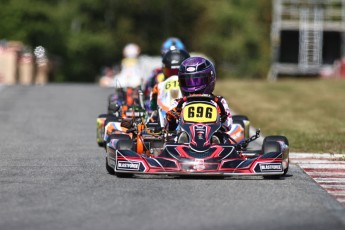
(172, 117)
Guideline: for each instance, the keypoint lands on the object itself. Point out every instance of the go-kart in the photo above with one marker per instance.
(123, 104)
(199, 148)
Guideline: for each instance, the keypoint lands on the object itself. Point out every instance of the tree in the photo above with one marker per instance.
(82, 36)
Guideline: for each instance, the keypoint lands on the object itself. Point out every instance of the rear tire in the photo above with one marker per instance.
(100, 131)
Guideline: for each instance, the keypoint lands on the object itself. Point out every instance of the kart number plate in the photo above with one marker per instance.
(200, 112)
(169, 85)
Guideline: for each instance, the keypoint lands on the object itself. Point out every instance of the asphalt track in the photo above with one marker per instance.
(52, 176)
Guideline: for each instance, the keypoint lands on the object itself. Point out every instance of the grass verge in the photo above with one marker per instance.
(310, 113)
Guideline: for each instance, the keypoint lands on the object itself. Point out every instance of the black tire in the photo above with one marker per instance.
(124, 175)
(110, 170)
(277, 138)
(271, 146)
(273, 177)
(125, 138)
(240, 117)
(286, 170)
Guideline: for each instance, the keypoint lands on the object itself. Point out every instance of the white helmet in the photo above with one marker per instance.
(131, 50)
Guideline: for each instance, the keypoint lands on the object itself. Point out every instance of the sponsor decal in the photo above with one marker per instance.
(199, 164)
(270, 167)
(128, 165)
(190, 69)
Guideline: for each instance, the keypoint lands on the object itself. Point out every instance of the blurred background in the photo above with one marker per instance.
(77, 41)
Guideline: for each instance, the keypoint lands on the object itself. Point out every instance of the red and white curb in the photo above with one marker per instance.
(328, 170)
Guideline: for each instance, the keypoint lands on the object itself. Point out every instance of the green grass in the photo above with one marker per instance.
(310, 113)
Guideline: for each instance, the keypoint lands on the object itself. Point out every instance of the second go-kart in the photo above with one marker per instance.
(123, 104)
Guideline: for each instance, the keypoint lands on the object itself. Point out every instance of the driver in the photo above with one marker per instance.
(197, 76)
(171, 63)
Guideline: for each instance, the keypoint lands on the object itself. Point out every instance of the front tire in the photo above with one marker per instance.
(268, 147)
(279, 138)
(110, 170)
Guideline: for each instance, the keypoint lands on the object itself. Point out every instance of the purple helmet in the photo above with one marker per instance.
(196, 75)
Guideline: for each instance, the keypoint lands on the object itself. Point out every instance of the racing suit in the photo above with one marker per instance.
(164, 93)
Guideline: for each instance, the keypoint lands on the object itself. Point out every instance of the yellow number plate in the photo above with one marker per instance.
(169, 85)
(200, 112)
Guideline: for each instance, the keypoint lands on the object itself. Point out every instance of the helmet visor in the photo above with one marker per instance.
(196, 82)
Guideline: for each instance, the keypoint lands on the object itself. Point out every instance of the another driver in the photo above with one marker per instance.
(197, 76)
(171, 62)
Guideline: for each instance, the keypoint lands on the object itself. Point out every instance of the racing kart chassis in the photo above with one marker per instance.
(197, 149)
(271, 161)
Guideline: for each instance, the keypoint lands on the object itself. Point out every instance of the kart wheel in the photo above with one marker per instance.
(124, 175)
(109, 169)
(286, 170)
(278, 138)
(110, 98)
(100, 129)
(270, 146)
